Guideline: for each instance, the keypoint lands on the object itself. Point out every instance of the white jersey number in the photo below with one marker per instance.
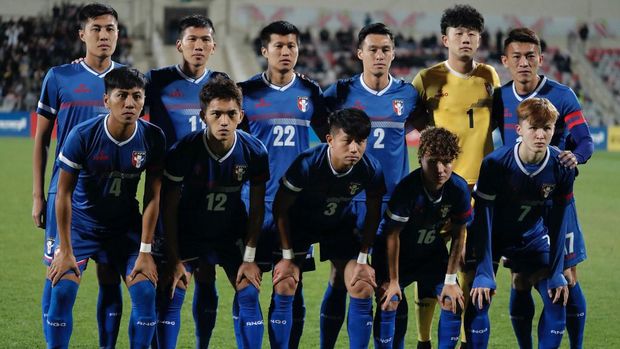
(216, 202)
(195, 121)
(287, 131)
(330, 209)
(379, 133)
(426, 236)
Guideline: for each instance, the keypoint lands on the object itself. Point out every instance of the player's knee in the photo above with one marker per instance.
(286, 286)
(142, 294)
(361, 289)
(64, 293)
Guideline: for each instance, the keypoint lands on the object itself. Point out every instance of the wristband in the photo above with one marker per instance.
(249, 254)
(288, 253)
(450, 279)
(145, 248)
(362, 258)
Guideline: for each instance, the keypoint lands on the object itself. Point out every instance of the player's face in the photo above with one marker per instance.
(125, 105)
(100, 35)
(376, 54)
(344, 149)
(535, 138)
(436, 171)
(461, 42)
(282, 52)
(522, 59)
(196, 45)
(222, 117)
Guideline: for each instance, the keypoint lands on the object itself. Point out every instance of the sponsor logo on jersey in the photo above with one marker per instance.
(358, 105)
(239, 171)
(302, 103)
(176, 93)
(262, 103)
(137, 158)
(507, 113)
(440, 94)
(398, 105)
(354, 187)
(101, 156)
(546, 189)
(82, 88)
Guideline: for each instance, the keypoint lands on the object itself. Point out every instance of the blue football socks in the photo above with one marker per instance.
(576, 316)
(60, 314)
(250, 318)
(109, 311)
(359, 322)
(333, 309)
(143, 321)
(169, 319)
(204, 309)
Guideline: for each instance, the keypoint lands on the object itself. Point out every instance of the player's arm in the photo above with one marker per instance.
(579, 144)
(420, 116)
(497, 112)
(392, 242)
(451, 291)
(171, 197)
(248, 269)
(285, 267)
(64, 259)
(40, 153)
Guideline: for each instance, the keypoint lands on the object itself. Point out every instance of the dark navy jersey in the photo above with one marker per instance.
(388, 110)
(71, 94)
(281, 117)
(211, 203)
(570, 121)
(173, 102)
(109, 171)
(423, 215)
(324, 195)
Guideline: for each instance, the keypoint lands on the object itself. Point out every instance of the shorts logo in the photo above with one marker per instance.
(239, 172)
(137, 158)
(302, 103)
(546, 189)
(354, 187)
(398, 106)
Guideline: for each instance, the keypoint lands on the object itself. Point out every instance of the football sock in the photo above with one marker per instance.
(400, 327)
(477, 326)
(449, 329)
(45, 305)
(521, 315)
(424, 345)
(169, 319)
(299, 316)
(384, 327)
(109, 311)
(204, 309)
(576, 316)
(60, 314)
(236, 322)
(359, 322)
(552, 320)
(281, 321)
(143, 319)
(250, 317)
(424, 312)
(333, 309)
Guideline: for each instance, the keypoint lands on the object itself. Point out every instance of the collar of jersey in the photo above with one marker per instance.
(190, 79)
(212, 154)
(107, 132)
(336, 173)
(99, 75)
(460, 75)
(428, 195)
(376, 93)
(531, 95)
(276, 87)
(522, 167)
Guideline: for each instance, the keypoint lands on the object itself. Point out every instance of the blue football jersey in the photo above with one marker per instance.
(424, 215)
(173, 103)
(211, 205)
(388, 110)
(71, 94)
(281, 117)
(570, 120)
(521, 196)
(324, 195)
(109, 171)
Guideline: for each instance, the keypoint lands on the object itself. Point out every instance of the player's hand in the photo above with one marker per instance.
(78, 60)
(145, 265)
(285, 268)
(363, 272)
(250, 271)
(179, 275)
(568, 159)
(39, 208)
(451, 298)
(481, 295)
(559, 294)
(62, 263)
(391, 296)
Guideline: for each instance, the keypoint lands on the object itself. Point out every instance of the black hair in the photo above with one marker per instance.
(354, 122)
(462, 16)
(124, 78)
(220, 87)
(279, 28)
(522, 35)
(373, 28)
(94, 10)
(196, 21)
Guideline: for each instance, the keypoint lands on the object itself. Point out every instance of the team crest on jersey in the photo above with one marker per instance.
(239, 171)
(443, 211)
(302, 103)
(137, 158)
(546, 189)
(398, 105)
(354, 187)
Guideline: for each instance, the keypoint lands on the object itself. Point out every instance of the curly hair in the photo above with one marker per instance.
(462, 16)
(439, 143)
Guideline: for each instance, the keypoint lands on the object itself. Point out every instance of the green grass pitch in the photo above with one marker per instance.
(597, 190)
